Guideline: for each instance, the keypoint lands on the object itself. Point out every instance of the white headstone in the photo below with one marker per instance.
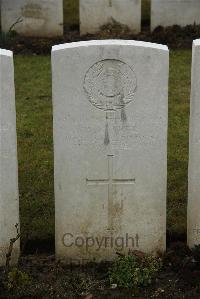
(194, 156)
(96, 13)
(174, 12)
(110, 138)
(9, 210)
(40, 18)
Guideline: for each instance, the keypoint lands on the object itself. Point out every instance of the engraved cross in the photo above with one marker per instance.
(110, 182)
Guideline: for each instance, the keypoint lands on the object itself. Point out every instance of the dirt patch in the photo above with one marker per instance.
(179, 278)
(174, 37)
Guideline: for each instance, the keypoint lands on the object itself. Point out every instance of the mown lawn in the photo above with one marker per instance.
(71, 13)
(35, 143)
(179, 98)
(34, 124)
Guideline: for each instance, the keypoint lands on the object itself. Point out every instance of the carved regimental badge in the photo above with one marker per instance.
(110, 84)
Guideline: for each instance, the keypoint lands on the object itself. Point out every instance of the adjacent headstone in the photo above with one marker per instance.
(174, 12)
(110, 142)
(194, 155)
(37, 18)
(9, 210)
(96, 13)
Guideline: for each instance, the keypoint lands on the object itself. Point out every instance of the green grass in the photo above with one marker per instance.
(146, 7)
(179, 95)
(71, 13)
(34, 125)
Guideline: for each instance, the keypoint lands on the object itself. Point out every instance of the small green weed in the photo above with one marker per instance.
(17, 279)
(134, 271)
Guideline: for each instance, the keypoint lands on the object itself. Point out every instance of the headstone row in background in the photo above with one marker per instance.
(45, 17)
(110, 137)
(38, 18)
(174, 12)
(96, 13)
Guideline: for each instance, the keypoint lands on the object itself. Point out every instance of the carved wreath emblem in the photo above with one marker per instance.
(110, 84)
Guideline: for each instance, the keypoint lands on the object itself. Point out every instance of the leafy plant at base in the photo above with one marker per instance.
(133, 271)
(17, 279)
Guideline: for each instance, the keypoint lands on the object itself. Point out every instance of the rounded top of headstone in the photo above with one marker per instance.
(109, 42)
(6, 53)
(196, 42)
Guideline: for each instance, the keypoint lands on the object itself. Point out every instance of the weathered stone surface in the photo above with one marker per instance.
(174, 12)
(38, 17)
(9, 210)
(95, 13)
(194, 156)
(110, 139)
